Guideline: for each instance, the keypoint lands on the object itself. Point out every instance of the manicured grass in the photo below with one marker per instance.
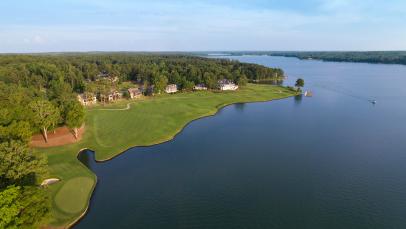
(148, 121)
(74, 189)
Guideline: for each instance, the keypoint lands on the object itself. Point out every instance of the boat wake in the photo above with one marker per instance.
(347, 92)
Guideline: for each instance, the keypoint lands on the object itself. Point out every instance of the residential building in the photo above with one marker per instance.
(200, 87)
(134, 93)
(87, 99)
(112, 96)
(227, 85)
(171, 88)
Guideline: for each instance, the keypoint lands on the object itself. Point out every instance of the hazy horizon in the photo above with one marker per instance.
(180, 51)
(206, 52)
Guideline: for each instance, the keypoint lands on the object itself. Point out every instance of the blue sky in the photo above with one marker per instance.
(201, 25)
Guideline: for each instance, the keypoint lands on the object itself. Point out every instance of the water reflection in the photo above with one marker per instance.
(239, 107)
(298, 99)
(87, 158)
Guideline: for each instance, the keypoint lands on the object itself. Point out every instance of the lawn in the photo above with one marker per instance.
(148, 121)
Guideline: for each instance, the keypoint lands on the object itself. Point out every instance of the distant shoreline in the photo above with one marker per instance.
(370, 57)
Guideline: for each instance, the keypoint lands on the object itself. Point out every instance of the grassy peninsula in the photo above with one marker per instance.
(120, 99)
(110, 130)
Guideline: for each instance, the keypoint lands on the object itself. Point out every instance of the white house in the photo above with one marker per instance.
(227, 85)
(134, 93)
(115, 95)
(87, 99)
(200, 87)
(112, 96)
(171, 88)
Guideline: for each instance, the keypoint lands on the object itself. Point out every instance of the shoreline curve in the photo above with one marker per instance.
(218, 109)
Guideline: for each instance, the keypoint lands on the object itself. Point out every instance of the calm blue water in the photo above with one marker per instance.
(331, 161)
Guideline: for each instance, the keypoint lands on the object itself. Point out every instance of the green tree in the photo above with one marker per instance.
(17, 130)
(35, 204)
(90, 71)
(299, 84)
(187, 85)
(242, 81)
(23, 207)
(75, 116)
(60, 91)
(44, 115)
(160, 83)
(210, 80)
(13, 103)
(103, 88)
(19, 165)
(22, 203)
(9, 207)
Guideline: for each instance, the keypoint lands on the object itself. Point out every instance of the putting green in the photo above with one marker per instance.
(74, 194)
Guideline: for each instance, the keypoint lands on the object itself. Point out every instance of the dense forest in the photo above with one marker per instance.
(382, 57)
(393, 57)
(41, 71)
(38, 93)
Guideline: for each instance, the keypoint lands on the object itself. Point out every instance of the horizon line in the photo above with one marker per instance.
(201, 51)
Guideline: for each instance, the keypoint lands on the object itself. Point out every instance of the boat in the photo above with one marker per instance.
(308, 94)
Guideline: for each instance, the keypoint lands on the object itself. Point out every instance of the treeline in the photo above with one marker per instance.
(24, 111)
(389, 57)
(40, 71)
(23, 204)
(382, 57)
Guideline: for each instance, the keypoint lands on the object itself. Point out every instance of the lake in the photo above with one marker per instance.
(331, 161)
